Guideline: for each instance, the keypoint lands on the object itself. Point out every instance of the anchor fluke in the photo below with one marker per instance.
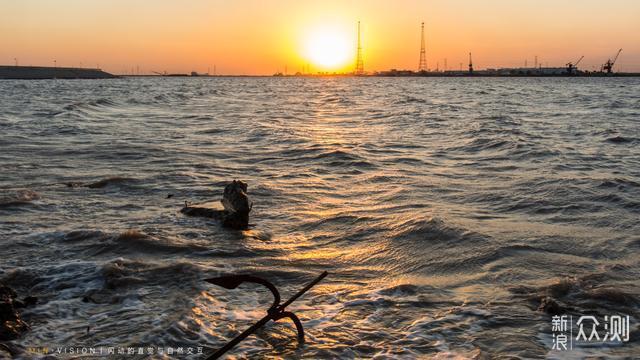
(233, 281)
(228, 282)
(296, 322)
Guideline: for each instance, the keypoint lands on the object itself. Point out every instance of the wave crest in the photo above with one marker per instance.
(17, 198)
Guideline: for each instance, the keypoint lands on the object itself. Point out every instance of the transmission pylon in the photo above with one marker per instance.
(359, 62)
(423, 52)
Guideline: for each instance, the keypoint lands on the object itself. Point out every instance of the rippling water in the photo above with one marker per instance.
(444, 209)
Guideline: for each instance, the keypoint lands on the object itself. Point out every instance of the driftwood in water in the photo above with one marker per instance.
(202, 212)
(236, 207)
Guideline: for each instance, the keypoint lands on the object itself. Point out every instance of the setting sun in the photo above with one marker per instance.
(328, 49)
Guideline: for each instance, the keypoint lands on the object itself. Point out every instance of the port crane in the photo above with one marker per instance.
(571, 67)
(608, 66)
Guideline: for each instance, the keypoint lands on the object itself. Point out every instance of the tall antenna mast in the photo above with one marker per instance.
(423, 53)
(359, 62)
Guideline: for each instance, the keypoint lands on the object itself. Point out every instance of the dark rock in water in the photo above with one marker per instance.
(11, 325)
(237, 207)
(550, 306)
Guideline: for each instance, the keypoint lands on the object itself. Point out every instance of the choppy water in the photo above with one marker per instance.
(442, 208)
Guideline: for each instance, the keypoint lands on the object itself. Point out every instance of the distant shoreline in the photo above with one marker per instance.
(45, 72)
(8, 72)
(593, 75)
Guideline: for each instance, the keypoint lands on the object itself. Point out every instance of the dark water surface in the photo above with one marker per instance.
(444, 209)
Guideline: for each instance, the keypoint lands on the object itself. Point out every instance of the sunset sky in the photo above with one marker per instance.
(261, 37)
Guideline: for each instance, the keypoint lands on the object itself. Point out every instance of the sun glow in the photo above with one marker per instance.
(328, 49)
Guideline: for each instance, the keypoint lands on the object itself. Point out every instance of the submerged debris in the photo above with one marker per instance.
(11, 325)
(237, 207)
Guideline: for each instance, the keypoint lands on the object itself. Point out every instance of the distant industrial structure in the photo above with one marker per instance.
(359, 61)
(423, 52)
(571, 68)
(608, 66)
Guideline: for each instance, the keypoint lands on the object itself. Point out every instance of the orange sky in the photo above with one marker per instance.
(261, 37)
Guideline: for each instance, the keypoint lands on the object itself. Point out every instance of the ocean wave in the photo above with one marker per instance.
(342, 100)
(433, 230)
(408, 99)
(620, 140)
(341, 158)
(122, 273)
(620, 184)
(485, 144)
(90, 281)
(429, 201)
(132, 241)
(106, 182)
(91, 105)
(340, 220)
(75, 298)
(401, 290)
(212, 131)
(18, 198)
(588, 292)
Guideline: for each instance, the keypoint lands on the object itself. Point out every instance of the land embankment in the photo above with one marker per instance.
(44, 72)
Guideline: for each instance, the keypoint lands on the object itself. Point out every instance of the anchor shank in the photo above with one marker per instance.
(303, 290)
(241, 337)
